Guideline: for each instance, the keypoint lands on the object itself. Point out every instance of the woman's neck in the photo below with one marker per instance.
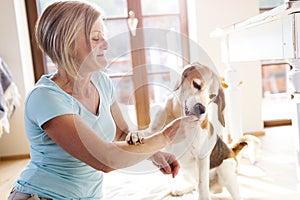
(73, 86)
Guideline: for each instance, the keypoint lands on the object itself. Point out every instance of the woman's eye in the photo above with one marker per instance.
(196, 85)
(96, 39)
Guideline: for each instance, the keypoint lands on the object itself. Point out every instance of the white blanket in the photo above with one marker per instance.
(255, 184)
(135, 184)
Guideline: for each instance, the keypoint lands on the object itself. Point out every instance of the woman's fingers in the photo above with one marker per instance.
(175, 131)
(175, 168)
(166, 162)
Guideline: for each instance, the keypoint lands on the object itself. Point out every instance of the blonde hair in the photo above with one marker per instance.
(59, 26)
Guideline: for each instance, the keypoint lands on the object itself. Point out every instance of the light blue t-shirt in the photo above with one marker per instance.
(52, 172)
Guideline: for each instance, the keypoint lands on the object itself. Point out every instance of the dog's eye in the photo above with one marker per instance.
(196, 85)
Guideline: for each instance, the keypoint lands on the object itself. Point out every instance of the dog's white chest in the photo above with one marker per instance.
(200, 143)
(194, 147)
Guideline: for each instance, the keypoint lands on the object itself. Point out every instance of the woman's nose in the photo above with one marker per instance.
(103, 45)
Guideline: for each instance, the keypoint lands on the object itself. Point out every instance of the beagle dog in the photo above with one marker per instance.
(200, 93)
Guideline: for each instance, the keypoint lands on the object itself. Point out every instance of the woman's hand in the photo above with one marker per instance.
(177, 130)
(167, 163)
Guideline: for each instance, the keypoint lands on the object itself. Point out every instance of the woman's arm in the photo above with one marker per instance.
(167, 163)
(121, 124)
(74, 136)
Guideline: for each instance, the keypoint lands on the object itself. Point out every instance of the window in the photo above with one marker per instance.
(276, 109)
(141, 63)
(274, 77)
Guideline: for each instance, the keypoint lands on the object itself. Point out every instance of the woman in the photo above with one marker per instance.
(74, 125)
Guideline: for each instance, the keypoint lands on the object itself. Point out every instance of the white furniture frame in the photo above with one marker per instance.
(274, 34)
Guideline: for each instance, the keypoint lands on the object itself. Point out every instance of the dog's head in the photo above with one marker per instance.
(200, 86)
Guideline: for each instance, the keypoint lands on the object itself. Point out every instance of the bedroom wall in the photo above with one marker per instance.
(204, 18)
(15, 51)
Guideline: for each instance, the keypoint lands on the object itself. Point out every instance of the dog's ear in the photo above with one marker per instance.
(216, 95)
(179, 83)
(213, 85)
(220, 101)
(188, 69)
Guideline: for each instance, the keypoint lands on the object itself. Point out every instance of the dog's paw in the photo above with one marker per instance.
(216, 188)
(182, 190)
(133, 138)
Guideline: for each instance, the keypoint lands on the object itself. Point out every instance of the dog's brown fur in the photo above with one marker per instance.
(221, 151)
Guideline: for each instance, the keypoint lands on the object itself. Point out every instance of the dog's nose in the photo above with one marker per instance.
(198, 109)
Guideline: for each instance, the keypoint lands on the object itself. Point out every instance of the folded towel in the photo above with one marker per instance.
(9, 97)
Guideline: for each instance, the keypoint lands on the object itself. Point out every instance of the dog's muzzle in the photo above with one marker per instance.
(197, 110)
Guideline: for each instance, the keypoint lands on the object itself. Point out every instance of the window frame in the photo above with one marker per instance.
(138, 57)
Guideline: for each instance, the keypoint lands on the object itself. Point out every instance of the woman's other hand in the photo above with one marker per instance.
(167, 163)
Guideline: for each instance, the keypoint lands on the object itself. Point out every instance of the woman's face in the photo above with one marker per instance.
(98, 43)
(94, 59)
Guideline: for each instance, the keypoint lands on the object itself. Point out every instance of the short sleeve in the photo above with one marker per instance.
(43, 104)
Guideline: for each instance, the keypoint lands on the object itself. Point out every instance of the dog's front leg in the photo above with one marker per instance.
(203, 186)
(187, 179)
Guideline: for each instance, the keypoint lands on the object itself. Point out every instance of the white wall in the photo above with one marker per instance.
(15, 51)
(207, 16)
